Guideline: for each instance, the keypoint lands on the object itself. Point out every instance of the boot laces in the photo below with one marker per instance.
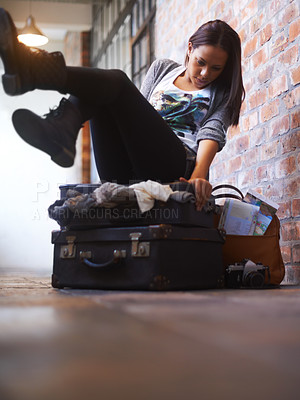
(57, 111)
(26, 51)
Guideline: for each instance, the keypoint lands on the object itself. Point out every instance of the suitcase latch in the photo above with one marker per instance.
(139, 249)
(69, 250)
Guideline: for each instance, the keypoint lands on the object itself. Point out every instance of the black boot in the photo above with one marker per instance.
(25, 68)
(55, 134)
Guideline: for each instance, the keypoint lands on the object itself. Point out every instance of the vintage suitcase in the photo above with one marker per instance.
(170, 212)
(155, 257)
(86, 188)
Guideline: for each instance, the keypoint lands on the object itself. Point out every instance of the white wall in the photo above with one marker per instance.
(50, 14)
(29, 184)
(29, 179)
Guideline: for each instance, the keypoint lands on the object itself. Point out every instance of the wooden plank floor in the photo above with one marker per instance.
(215, 344)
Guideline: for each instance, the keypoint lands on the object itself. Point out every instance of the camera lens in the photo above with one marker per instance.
(254, 279)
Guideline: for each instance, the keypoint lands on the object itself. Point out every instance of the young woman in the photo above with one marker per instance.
(170, 130)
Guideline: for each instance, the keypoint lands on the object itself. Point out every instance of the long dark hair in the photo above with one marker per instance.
(219, 34)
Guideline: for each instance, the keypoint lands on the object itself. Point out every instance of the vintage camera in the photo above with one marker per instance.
(246, 274)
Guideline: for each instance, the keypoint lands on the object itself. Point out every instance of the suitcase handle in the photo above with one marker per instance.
(115, 260)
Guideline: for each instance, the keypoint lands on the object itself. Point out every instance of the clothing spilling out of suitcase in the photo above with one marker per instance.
(150, 208)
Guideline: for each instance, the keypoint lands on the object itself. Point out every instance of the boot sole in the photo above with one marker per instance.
(26, 128)
(8, 41)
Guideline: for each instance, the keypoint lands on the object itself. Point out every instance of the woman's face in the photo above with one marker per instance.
(205, 64)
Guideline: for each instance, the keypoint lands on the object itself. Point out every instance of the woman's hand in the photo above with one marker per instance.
(207, 149)
(202, 190)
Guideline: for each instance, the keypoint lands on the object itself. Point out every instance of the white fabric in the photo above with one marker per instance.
(148, 191)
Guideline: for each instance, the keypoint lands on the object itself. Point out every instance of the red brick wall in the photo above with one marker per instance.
(73, 48)
(86, 138)
(263, 152)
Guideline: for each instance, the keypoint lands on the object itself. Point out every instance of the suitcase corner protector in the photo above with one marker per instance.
(55, 282)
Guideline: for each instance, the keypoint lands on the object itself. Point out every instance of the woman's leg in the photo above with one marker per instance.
(111, 157)
(152, 148)
(110, 154)
(123, 115)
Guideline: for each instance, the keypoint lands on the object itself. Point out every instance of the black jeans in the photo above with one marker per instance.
(131, 140)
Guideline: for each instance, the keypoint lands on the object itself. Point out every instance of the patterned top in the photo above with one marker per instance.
(183, 110)
(217, 119)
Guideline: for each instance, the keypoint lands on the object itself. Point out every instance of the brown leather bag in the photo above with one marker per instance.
(263, 249)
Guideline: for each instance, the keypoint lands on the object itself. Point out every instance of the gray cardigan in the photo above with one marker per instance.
(216, 122)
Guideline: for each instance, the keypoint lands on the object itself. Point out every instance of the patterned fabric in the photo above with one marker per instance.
(182, 110)
(216, 121)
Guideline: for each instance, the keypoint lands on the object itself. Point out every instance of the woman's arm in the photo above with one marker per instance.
(156, 72)
(206, 152)
(211, 137)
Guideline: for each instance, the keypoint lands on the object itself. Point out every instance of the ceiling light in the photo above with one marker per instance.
(31, 35)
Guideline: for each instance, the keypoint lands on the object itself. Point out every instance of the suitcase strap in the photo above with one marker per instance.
(238, 196)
